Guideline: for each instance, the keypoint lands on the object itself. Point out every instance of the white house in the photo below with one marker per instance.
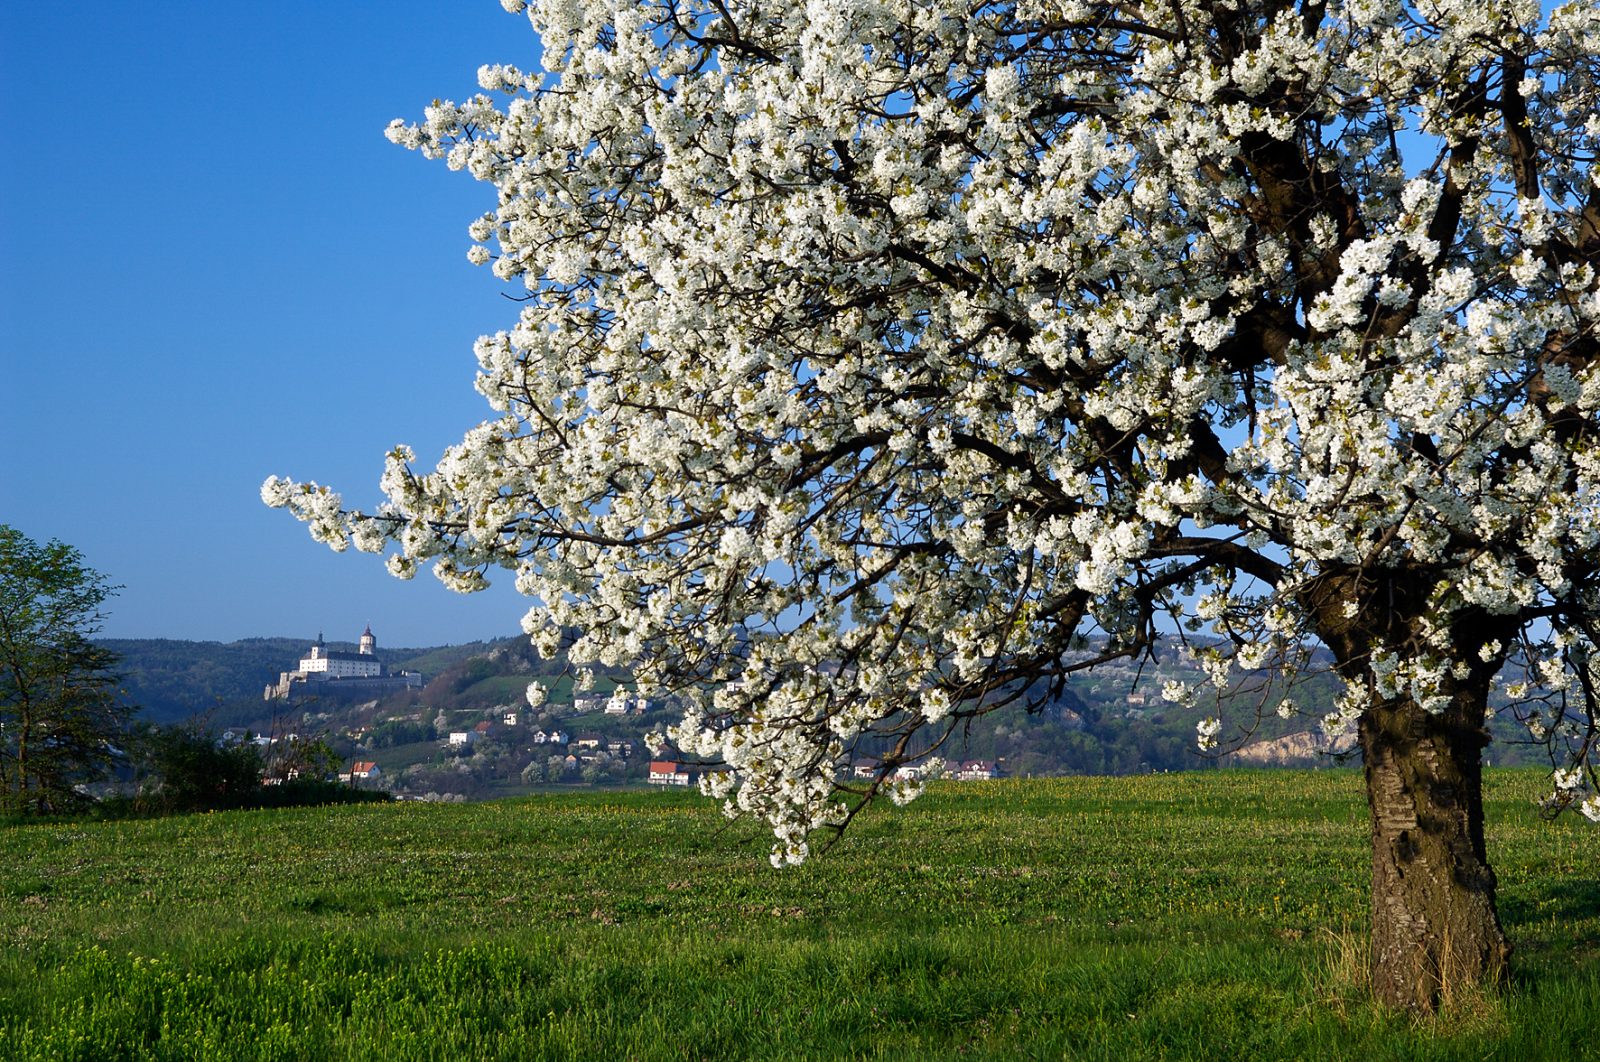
(666, 772)
(583, 703)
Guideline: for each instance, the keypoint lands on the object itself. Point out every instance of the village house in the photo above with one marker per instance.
(669, 772)
(624, 705)
(365, 771)
(588, 742)
(459, 738)
(869, 767)
(972, 770)
(865, 768)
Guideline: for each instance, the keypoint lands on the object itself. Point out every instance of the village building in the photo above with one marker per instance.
(669, 772)
(621, 704)
(585, 703)
(973, 770)
(333, 672)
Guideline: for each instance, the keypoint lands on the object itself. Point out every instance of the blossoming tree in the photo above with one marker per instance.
(872, 350)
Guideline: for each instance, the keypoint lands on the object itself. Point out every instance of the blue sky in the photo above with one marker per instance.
(213, 268)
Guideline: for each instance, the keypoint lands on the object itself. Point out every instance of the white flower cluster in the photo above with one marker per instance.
(870, 351)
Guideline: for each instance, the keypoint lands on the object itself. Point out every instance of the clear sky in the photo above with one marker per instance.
(214, 268)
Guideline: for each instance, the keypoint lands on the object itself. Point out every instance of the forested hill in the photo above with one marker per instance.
(171, 680)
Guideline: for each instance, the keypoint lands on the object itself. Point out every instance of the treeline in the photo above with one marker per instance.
(188, 767)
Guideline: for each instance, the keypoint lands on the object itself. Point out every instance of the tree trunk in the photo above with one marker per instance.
(1435, 930)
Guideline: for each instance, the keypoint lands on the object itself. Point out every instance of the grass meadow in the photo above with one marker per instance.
(1211, 915)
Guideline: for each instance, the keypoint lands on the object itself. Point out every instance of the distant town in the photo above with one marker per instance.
(451, 723)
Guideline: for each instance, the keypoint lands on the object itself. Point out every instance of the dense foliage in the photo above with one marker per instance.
(186, 768)
(61, 715)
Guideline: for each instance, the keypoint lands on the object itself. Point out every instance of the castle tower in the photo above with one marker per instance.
(368, 644)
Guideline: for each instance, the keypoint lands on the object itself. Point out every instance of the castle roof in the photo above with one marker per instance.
(340, 654)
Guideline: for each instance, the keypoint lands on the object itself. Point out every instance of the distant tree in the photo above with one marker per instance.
(62, 721)
(870, 353)
(401, 732)
(299, 758)
(190, 769)
(603, 768)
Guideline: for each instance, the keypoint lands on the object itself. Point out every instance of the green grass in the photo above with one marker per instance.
(1207, 915)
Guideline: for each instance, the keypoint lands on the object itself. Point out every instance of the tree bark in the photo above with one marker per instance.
(1435, 930)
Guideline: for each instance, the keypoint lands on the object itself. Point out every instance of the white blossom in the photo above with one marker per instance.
(864, 363)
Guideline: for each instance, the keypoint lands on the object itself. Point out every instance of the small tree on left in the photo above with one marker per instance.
(61, 719)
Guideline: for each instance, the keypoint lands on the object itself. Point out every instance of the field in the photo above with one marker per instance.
(1216, 915)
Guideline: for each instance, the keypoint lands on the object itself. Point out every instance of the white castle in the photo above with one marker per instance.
(331, 671)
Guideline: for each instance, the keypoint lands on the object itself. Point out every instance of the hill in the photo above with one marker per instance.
(1172, 916)
(1111, 720)
(171, 679)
